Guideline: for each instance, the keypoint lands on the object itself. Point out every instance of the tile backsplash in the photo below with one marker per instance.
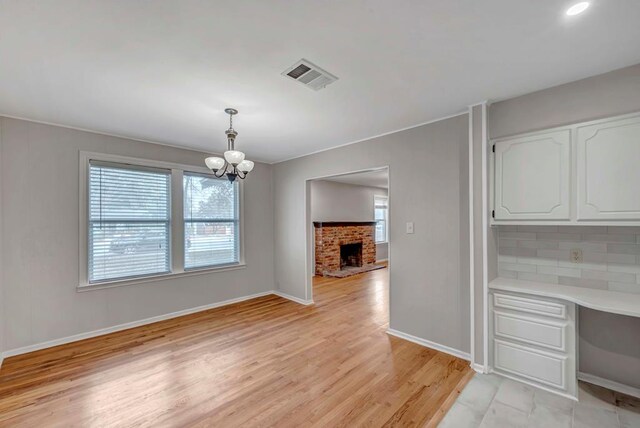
(610, 255)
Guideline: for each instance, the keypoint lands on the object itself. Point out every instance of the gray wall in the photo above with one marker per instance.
(429, 289)
(596, 97)
(608, 344)
(333, 201)
(40, 239)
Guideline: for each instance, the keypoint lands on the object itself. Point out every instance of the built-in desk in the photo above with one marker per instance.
(600, 300)
(533, 329)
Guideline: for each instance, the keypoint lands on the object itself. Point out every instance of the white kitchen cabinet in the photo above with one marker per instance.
(582, 174)
(533, 340)
(532, 178)
(608, 168)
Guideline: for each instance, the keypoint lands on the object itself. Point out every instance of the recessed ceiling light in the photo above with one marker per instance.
(578, 8)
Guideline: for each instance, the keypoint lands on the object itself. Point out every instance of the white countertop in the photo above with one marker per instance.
(601, 300)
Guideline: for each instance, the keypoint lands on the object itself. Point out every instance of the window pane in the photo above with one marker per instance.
(210, 244)
(380, 214)
(381, 234)
(208, 198)
(129, 221)
(120, 250)
(117, 194)
(211, 234)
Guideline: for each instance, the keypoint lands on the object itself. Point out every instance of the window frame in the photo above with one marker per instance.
(386, 219)
(176, 229)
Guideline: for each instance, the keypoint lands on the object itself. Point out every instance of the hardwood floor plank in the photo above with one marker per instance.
(263, 362)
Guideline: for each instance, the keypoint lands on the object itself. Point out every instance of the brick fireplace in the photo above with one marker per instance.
(341, 245)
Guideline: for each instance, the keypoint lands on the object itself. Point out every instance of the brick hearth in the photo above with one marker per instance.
(330, 235)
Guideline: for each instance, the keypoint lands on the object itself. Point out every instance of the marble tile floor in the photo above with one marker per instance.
(491, 401)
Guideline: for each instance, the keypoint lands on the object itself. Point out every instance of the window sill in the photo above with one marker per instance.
(382, 242)
(155, 278)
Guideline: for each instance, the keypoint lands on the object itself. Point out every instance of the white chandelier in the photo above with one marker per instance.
(234, 164)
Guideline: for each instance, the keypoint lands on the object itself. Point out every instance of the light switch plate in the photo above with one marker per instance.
(410, 227)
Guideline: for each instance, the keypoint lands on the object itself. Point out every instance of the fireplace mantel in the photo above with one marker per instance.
(342, 223)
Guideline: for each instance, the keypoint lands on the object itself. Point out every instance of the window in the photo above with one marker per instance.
(381, 213)
(144, 220)
(129, 222)
(211, 223)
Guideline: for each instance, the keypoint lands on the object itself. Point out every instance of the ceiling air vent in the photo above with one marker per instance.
(309, 74)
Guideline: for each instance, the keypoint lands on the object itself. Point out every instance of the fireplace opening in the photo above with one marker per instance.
(351, 255)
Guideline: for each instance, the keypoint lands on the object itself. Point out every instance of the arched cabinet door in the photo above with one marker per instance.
(533, 177)
(608, 165)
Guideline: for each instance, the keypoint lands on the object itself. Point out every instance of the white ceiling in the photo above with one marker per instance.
(164, 70)
(378, 178)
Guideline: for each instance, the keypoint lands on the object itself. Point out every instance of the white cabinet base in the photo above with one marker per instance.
(527, 362)
(533, 340)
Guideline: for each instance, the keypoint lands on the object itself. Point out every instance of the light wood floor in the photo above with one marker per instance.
(263, 362)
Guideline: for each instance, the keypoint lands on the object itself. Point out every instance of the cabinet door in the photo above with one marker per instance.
(608, 155)
(532, 177)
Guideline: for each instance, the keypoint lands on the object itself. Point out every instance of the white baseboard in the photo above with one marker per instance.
(429, 344)
(293, 298)
(103, 331)
(382, 260)
(609, 384)
(480, 368)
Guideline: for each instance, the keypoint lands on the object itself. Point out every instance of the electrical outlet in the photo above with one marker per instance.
(576, 255)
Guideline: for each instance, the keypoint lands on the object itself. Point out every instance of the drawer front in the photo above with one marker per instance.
(541, 367)
(531, 330)
(533, 306)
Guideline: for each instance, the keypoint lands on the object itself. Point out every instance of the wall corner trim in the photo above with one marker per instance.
(292, 298)
(479, 103)
(429, 344)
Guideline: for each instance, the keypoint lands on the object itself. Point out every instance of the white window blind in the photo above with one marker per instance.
(211, 221)
(129, 221)
(381, 214)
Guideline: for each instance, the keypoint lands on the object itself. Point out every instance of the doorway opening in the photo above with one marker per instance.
(347, 225)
